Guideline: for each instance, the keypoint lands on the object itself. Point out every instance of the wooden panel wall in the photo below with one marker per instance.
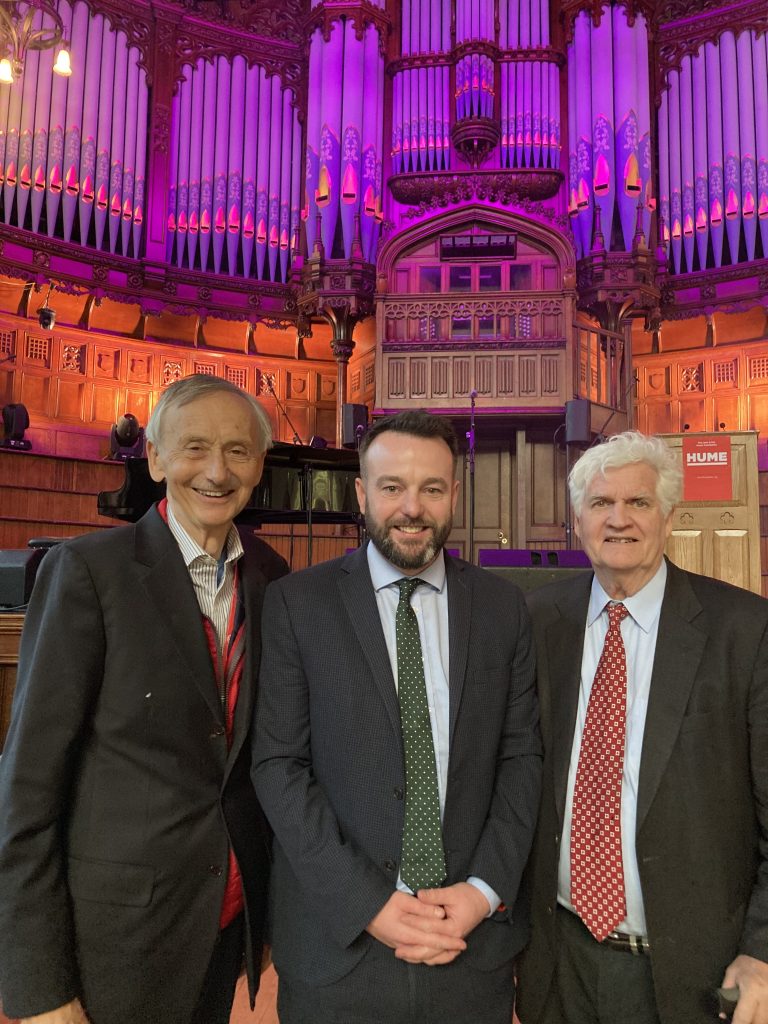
(76, 383)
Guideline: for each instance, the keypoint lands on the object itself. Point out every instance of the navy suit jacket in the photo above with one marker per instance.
(328, 760)
(119, 796)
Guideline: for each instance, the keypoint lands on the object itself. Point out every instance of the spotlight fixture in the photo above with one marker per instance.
(126, 440)
(15, 423)
(20, 35)
(46, 315)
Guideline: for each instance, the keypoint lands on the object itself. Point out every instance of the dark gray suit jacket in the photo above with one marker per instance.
(118, 796)
(702, 818)
(328, 760)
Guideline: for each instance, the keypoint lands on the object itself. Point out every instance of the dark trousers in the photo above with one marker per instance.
(218, 992)
(384, 990)
(597, 984)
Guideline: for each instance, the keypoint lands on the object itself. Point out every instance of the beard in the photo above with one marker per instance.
(381, 537)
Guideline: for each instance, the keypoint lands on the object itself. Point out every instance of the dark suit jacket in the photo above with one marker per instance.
(328, 760)
(118, 797)
(702, 819)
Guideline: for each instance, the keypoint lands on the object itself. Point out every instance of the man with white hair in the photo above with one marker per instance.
(134, 857)
(649, 876)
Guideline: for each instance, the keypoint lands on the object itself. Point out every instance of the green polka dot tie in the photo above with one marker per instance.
(423, 860)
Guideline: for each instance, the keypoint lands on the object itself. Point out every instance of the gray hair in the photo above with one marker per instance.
(624, 450)
(200, 385)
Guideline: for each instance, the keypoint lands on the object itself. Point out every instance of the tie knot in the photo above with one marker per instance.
(616, 614)
(407, 586)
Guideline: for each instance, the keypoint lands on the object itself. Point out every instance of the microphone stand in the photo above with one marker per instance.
(284, 411)
(471, 453)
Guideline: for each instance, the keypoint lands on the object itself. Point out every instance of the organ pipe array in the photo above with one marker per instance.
(235, 171)
(73, 150)
(345, 116)
(491, 81)
(713, 154)
(609, 121)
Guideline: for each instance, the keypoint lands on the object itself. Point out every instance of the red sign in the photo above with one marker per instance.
(707, 468)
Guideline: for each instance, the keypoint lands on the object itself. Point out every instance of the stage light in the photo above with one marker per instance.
(15, 423)
(126, 439)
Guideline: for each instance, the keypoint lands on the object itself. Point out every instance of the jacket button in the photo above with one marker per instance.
(549, 909)
(398, 792)
(390, 865)
(218, 730)
(215, 869)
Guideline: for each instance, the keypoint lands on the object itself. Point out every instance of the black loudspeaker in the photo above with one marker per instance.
(17, 575)
(354, 423)
(577, 421)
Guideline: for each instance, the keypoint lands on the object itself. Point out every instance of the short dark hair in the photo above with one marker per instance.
(417, 423)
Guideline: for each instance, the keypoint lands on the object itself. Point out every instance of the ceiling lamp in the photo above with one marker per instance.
(19, 35)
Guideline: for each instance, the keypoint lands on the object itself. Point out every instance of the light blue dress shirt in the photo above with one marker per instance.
(639, 631)
(430, 604)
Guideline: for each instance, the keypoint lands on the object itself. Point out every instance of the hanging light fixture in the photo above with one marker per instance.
(19, 35)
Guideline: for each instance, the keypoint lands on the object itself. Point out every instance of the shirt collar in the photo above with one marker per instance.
(644, 606)
(191, 550)
(384, 574)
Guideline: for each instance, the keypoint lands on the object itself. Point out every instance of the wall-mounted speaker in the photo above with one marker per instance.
(354, 423)
(577, 429)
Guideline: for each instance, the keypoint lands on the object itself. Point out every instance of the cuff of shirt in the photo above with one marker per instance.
(487, 891)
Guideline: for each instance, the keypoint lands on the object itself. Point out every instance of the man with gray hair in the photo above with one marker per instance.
(649, 876)
(134, 856)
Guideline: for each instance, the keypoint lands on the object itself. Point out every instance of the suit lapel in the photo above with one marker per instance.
(459, 620)
(252, 585)
(359, 598)
(679, 650)
(170, 592)
(565, 645)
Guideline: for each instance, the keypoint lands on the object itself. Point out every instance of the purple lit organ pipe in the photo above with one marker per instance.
(141, 164)
(208, 69)
(92, 74)
(604, 179)
(27, 125)
(330, 133)
(686, 161)
(118, 141)
(675, 172)
(221, 152)
(627, 130)
(731, 143)
(645, 155)
(714, 148)
(197, 76)
(249, 167)
(760, 52)
(129, 170)
(182, 187)
(55, 170)
(235, 133)
(40, 143)
(273, 206)
(109, 44)
(314, 92)
(73, 123)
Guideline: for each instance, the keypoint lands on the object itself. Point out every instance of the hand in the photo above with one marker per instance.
(464, 907)
(751, 976)
(463, 904)
(417, 931)
(70, 1013)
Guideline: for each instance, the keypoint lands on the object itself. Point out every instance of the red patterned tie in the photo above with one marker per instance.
(597, 872)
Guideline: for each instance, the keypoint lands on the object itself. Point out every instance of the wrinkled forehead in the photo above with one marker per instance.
(632, 480)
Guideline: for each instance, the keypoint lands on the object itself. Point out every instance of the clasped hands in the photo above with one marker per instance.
(430, 928)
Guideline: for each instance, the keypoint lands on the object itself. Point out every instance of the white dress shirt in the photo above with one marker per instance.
(639, 631)
(430, 604)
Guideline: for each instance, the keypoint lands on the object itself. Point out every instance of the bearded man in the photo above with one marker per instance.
(397, 757)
